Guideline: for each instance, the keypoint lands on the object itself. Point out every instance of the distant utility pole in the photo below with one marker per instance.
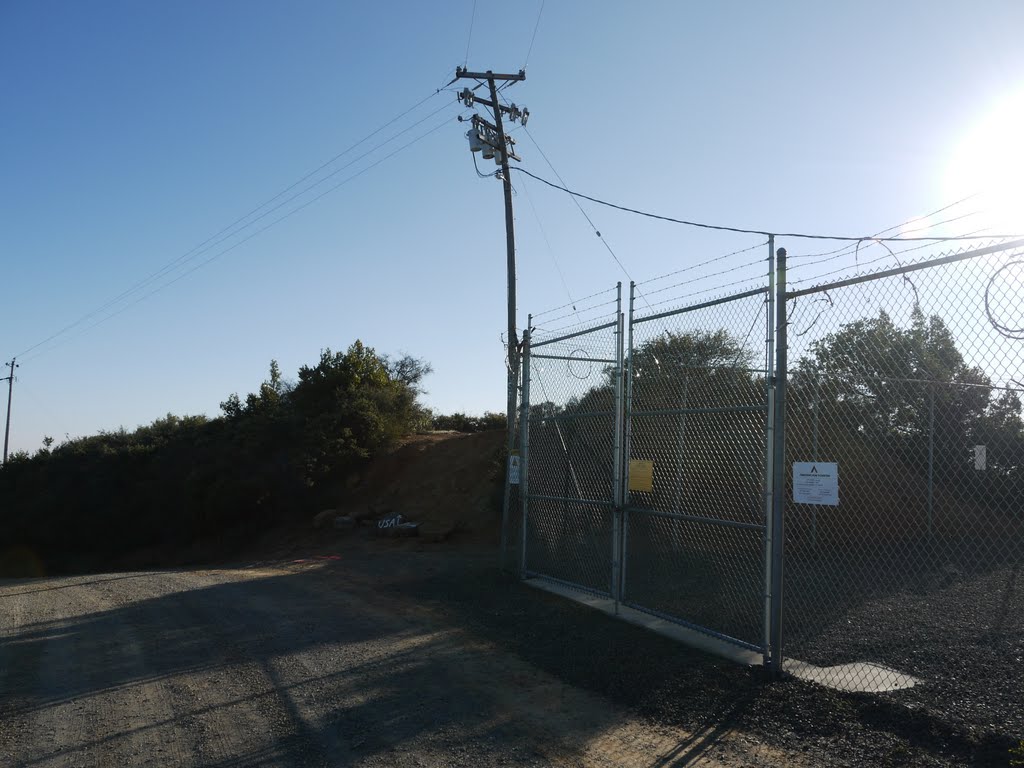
(489, 139)
(10, 393)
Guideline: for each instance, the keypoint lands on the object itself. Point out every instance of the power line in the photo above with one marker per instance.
(580, 207)
(741, 230)
(534, 37)
(547, 242)
(472, 18)
(973, 235)
(868, 262)
(259, 231)
(233, 229)
(894, 227)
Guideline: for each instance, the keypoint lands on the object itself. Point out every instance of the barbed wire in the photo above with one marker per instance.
(573, 303)
(1009, 332)
(707, 277)
(702, 264)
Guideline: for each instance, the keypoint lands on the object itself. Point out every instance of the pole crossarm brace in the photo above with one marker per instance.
(469, 98)
(461, 72)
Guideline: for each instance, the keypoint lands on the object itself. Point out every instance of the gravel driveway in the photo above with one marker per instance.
(392, 659)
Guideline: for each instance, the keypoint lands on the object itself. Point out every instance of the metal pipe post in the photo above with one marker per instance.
(931, 458)
(769, 431)
(779, 463)
(627, 435)
(524, 442)
(617, 495)
(814, 455)
(628, 428)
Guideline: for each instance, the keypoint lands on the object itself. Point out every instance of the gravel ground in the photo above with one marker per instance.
(960, 632)
(670, 684)
(300, 664)
(402, 659)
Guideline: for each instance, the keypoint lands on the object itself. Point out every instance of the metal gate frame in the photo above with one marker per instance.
(630, 508)
(619, 501)
(614, 501)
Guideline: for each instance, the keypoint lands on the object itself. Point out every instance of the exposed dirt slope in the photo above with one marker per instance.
(448, 482)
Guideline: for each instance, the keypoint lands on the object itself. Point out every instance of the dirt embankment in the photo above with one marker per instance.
(450, 483)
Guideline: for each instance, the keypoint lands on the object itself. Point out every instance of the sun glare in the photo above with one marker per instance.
(989, 161)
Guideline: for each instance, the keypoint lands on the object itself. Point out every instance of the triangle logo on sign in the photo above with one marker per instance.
(814, 470)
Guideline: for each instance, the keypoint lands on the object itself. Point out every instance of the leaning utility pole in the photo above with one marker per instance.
(490, 140)
(10, 393)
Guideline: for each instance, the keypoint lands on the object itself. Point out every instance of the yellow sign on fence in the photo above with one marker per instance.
(641, 475)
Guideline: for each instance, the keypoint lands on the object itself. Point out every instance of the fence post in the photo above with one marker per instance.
(617, 456)
(814, 455)
(524, 443)
(627, 435)
(779, 462)
(769, 465)
(931, 457)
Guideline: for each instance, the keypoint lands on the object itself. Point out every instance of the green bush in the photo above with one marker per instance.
(90, 501)
(460, 422)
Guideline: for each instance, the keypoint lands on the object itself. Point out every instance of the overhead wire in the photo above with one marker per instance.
(547, 243)
(894, 227)
(743, 230)
(472, 19)
(533, 38)
(890, 254)
(250, 236)
(233, 229)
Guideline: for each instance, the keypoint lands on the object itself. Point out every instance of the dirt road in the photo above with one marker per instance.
(296, 664)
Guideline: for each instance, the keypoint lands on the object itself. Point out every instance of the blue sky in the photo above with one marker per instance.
(134, 131)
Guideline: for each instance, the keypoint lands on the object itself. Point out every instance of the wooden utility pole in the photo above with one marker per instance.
(10, 393)
(490, 139)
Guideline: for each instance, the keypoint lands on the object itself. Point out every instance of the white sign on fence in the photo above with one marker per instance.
(816, 482)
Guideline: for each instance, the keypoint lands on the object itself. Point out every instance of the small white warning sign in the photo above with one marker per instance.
(513, 469)
(816, 482)
(980, 457)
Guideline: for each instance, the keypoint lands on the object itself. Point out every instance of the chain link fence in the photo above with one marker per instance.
(665, 452)
(909, 384)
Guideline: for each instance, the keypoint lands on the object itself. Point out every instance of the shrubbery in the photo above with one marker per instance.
(460, 422)
(182, 480)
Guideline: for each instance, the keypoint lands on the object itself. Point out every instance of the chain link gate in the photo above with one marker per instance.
(694, 533)
(571, 452)
(690, 402)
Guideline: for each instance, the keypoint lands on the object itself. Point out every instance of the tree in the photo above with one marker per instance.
(182, 479)
(882, 380)
(903, 409)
